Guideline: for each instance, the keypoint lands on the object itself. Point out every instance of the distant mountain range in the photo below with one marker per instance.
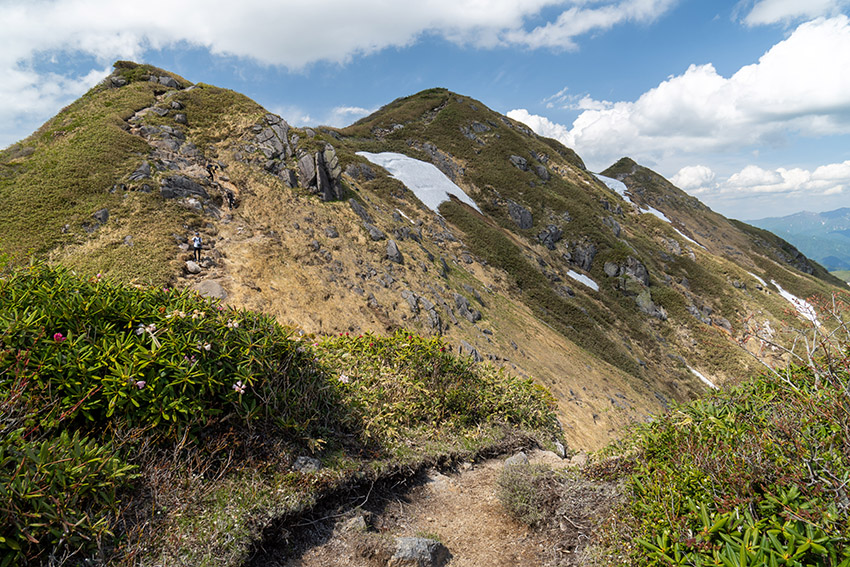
(823, 237)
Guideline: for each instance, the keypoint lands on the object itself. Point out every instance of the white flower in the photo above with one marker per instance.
(232, 324)
(239, 387)
(207, 346)
(344, 378)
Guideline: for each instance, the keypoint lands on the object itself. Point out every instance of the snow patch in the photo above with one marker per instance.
(700, 375)
(758, 279)
(583, 279)
(429, 184)
(803, 307)
(620, 188)
(399, 211)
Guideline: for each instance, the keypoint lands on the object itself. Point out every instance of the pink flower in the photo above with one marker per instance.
(239, 387)
(141, 384)
(59, 337)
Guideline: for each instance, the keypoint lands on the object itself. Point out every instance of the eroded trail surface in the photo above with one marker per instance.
(459, 509)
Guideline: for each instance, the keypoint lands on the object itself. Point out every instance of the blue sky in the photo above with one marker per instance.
(744, 104)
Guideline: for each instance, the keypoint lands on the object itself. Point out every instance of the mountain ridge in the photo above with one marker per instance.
(823, 236)
(300, 226)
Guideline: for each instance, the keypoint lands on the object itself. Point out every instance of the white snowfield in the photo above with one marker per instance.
(705, 380)
(803, 307)
(583, 279)
(620, 188)
(429, 184)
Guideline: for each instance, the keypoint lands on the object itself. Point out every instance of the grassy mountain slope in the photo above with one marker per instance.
(611, 357)
(300, 230)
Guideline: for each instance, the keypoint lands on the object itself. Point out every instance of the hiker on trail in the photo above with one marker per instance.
(197, 244)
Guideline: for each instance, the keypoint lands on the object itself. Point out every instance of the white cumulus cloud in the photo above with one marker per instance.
(287, 33)
(777, 11)
(693, 177)
(796, 87)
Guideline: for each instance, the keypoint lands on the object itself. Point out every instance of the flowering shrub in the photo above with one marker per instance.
(149, 356)
(83, 359)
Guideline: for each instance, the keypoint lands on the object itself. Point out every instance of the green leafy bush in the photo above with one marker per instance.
(89, 368)
(150, 355)
(756, 474)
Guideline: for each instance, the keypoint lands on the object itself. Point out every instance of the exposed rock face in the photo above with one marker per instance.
(520, 162)
(550, 236)
(520, 215)
(470, 350)
(645, 304)
(419, 552)
(635, 269)
(273, 140)
(360, 171)
(180, 186)
(583, 254)
(320, 172)
(470, 314)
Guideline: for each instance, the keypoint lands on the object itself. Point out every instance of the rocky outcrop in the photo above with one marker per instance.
(320, 172)
(582, 255)
(178, 186)
(519, 162)
(520, 215)
(466, 311)
(550, 236)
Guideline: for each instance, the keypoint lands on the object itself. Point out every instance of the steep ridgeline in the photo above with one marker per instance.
(554, 273)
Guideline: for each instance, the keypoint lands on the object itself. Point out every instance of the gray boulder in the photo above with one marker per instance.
(541, 172)
(169, 82)
(393, 253)
(583, 254)
(419, 552)
(470, 314)
(520, 162)
(360, 210)
(519, 459)
(101, 216)
(374, 232)
(180, 118)
(210, 288)
(520, 215)
(471, 350)
(611, 269)
(142, 172)
(193, 267)
(360, 171)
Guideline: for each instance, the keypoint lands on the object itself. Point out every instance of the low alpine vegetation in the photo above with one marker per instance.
(106, 390)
